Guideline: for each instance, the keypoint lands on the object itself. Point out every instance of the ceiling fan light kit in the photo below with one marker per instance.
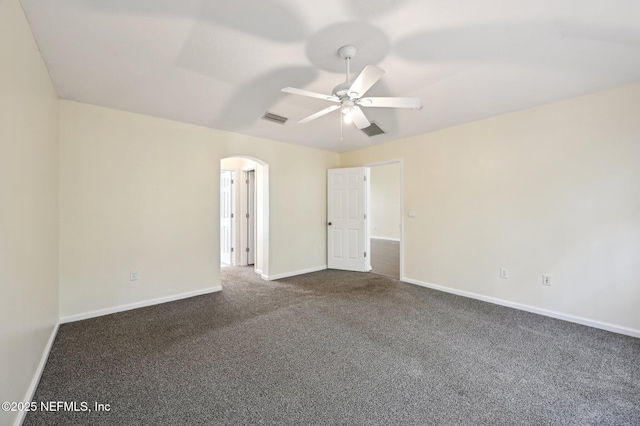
(348, 95)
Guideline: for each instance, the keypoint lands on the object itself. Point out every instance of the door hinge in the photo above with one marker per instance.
(231, 181)
(231, 215)
(365, 178)
(247, 181)
(365, 254)
(231, 249)
(247, 215)
(365, 216)
(247, 250)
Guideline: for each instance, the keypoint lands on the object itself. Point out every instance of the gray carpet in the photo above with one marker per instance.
(338, 348)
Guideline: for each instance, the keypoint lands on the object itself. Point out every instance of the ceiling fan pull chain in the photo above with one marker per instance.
(340, 115)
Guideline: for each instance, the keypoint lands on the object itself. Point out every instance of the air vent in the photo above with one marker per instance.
(274, 118)
(373, 130)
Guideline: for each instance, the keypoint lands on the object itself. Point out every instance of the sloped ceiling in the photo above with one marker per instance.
(222, 64)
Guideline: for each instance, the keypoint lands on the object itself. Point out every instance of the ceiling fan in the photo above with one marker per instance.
(349, 96)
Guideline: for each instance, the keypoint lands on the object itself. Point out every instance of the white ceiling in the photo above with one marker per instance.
(222, 64)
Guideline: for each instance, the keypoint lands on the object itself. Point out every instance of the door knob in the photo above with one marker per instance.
(329, 224)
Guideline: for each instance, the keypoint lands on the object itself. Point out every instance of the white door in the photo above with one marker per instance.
(346, 230)
(225, 216)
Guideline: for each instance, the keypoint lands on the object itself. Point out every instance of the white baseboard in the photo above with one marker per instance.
(121, 308)
(31, 390)
(294, 273)
(385, 238)
(553, 314)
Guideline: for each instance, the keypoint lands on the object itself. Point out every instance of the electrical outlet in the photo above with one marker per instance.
(546, 279)
(504, 273)
(133, 276)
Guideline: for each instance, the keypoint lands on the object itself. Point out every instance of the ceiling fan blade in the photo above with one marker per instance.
(301, 92)
(412, 103)
(359, 119)
(367, 78)
(319, 114)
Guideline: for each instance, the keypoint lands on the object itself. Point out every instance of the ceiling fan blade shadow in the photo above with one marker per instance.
(367, 78)
(186, 8)
(525, 42)
(359, 119)
(319, 114)
(263, 18)
(253, 99)
(294, 91)
(365, 9)
(597, 32)
(412, 103)
(202, 53)
(467, 44)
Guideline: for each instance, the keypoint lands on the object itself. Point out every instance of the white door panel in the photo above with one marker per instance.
(225, 217)
(346, 219)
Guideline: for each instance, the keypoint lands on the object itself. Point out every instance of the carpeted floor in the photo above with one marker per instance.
(338, 348)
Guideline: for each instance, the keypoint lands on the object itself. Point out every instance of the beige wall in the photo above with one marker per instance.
(141, 194)
(549, 190)
(384, 207)
(28, 206)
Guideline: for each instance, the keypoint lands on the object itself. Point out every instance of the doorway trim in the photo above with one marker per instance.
(248, 233)
(383, 163)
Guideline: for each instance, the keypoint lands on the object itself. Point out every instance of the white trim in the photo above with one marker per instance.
(385, 238)
(553, 314)
(31, 390)
(294, 273)
(151, 302)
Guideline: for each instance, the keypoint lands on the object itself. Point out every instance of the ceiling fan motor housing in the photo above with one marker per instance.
(341, 90)
(347, 52)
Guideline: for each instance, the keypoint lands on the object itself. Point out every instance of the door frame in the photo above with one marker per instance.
(368, 207)
(233, 215)
(245, 210)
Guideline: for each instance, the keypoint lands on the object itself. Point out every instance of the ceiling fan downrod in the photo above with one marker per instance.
(347, 53)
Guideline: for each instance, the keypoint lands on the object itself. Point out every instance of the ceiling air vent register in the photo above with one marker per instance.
(274, 118)
(373, 130)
